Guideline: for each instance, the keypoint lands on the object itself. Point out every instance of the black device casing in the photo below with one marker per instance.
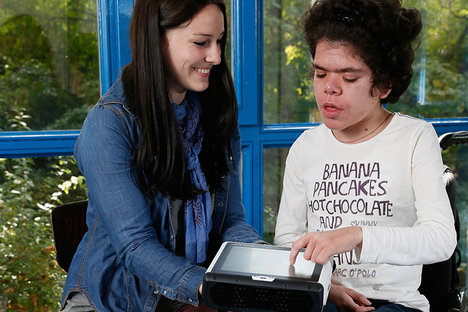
(244, 293)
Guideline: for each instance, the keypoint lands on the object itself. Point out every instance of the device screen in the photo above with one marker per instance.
(260, 260)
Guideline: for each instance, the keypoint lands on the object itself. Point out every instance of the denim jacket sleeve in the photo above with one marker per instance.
(104, 152)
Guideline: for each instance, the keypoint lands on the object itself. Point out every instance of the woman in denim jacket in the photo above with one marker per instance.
(161, 155)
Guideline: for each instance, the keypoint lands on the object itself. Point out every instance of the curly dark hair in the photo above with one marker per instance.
(381, 32)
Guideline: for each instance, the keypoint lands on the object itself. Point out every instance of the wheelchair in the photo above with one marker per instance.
(440, 280)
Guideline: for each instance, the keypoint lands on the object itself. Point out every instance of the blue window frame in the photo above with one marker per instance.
(113, 18)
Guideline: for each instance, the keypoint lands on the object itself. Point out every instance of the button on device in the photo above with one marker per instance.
(263, 278)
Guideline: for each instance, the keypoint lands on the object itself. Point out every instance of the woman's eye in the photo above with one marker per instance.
(200, 43)
(317, 75)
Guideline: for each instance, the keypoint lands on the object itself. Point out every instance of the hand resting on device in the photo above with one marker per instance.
(321, 246)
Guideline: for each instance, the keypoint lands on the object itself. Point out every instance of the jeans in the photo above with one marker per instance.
(379, 305)
(77, 302)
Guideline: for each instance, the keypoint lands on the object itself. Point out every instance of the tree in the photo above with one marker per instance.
(49, 60)
(49, 79)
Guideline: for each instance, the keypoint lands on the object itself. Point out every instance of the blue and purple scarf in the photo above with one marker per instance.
(197, 210)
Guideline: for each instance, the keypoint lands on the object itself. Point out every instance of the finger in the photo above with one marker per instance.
(360, 298)
(322, 253)
(323, 257)
(308, 252)
(293, 255)
(315, 252)
(310, 242)
(360, 307)
(352, 306)
(296, 246)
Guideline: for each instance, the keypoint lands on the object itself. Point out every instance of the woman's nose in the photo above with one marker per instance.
(213, 55)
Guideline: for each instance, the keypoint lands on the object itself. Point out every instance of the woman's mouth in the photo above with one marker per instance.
(204, 71)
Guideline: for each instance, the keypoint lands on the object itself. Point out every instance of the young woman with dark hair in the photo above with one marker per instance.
(161, 154)
(365, 186)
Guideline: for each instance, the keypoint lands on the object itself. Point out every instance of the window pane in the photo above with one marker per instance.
(287, 95)
(273, 170)
(456, 158)
(29, 189)
(439, 87)
(49, 66)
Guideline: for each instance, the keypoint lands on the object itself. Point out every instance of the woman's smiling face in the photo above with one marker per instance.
(191, 50)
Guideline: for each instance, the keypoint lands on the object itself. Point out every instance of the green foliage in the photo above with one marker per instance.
(49, 61)
(455, 158)
(274, 160)
(49, 79)
(440, 63)
(31, 279)
(288, 94)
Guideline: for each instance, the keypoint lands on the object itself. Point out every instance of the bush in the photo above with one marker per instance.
(31, 279)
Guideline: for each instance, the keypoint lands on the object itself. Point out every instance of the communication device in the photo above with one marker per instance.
(254, 277)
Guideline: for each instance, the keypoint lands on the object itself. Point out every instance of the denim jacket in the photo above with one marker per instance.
(126, 260)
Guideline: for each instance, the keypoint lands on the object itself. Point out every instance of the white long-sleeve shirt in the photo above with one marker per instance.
(391, 186)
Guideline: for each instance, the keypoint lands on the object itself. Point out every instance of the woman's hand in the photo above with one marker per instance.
(321, 246)
(346, 299)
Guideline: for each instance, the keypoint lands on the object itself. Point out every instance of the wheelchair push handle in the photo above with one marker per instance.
(453, 138)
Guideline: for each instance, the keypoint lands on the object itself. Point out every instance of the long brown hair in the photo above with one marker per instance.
(159, 157)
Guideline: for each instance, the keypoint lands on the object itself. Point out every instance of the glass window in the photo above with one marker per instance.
(287, 90)
(273, 160)
(439, 85)
(49, 66)
(456, 158)
(49, 79)
(439, 88)
(29, 189)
